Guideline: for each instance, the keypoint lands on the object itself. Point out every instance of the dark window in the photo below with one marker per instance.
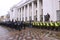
(12, 10)
(30, 18)
(26, 18)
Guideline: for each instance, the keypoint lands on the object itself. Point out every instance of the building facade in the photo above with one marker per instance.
(35, 10)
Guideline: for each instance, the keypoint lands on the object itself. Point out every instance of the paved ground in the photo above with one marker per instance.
(28, 34)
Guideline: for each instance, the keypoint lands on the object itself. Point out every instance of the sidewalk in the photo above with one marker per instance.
(28, 34)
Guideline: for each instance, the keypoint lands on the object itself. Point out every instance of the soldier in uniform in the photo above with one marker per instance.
(30, 25)
(12, 24)
(47, 17)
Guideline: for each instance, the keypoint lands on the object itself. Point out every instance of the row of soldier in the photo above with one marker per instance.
(18, 25)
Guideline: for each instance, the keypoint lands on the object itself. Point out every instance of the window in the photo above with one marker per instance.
(30, 18)
(20, 10)
(41, 18)
(26, 18)
(23, 19)
(12, 10)
(58, 15)
(20, 19)
(35, 18)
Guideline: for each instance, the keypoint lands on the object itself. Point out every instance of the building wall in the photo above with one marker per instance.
(50, 6)
(10, 15)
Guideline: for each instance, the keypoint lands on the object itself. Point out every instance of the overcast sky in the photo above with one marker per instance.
(5, 5)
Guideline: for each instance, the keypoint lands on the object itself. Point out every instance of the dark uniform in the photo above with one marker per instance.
(22, 24)
(30, 25)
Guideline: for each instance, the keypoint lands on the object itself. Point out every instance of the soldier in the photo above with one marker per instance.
(47, 17)
(24, 25)
(15, 25)
(9, 23)
(30, 25)
(12, 24)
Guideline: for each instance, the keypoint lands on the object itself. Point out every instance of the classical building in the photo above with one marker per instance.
(35, 10)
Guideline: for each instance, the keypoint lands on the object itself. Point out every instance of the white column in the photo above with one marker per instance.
(38, 10)
(24, 12)
(32, 10)
(15, 14)
(21, 14)
(11, 15)
(18, 14)
(27, 12)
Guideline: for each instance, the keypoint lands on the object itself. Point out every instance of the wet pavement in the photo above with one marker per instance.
(28, 34)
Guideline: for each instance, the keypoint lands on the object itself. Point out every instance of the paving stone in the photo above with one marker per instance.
(20, 38)
(27, 34)
(34, 39)
(11, 38)
(23, 39)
